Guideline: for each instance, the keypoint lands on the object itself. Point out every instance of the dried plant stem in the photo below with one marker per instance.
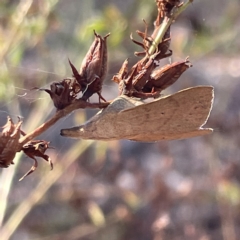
(167, 21)
(60, 114)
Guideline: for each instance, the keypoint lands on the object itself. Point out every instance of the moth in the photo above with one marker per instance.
(176, 116)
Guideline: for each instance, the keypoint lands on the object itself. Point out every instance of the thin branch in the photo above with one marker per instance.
(78, 104)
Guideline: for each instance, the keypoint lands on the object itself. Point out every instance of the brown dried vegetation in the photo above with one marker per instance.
(145, 79)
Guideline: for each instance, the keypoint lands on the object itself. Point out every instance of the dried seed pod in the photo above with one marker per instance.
(63, 93)
(176, 116)
(36, 148)
(93, 69)
(133, 83)
(9, 142)
(138, 75)
(130, 83)
(164, 77)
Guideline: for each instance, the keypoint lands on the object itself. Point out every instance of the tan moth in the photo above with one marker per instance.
(177, 116)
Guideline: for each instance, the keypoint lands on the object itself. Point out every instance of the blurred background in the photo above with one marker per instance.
(119, 190)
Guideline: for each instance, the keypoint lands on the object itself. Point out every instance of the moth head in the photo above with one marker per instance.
(74, 132)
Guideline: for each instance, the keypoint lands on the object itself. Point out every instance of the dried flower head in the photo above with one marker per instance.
(64, 92)
(9, 144)
(36, 148)
(161, 78)
(146, 79)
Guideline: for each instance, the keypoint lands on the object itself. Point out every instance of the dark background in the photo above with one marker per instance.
(119, 190)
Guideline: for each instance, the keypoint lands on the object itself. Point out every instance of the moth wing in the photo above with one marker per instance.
(176, 116)
(105, 125)
(159, 137)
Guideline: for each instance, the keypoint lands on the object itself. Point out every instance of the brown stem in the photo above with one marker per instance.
(79, 103)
